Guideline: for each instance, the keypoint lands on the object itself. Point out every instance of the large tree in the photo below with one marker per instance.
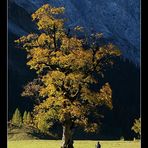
(67, 68)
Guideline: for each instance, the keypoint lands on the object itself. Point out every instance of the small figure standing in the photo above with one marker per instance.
(98, 145)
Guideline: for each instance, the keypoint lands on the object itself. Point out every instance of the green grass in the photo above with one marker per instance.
(77, 144)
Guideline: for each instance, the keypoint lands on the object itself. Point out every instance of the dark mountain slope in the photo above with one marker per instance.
(119, 22)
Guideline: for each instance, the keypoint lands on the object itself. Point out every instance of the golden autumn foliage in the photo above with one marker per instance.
(65, 69)
(137, 126)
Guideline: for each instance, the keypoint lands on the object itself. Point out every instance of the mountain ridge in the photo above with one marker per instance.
(119, 21)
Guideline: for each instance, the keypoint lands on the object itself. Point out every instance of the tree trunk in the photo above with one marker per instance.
(67, 136)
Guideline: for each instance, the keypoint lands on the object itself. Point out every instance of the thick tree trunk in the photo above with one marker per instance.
(67, 136)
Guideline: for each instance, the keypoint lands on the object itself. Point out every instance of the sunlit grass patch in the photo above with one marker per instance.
(77, 144)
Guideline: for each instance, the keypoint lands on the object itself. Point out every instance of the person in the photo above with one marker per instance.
(98, 145)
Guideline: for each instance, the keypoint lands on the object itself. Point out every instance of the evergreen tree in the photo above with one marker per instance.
(17, 118)
(29, 118)
(25, 118)
(67, 67)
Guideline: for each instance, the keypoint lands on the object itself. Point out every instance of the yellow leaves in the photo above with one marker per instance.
(45, 9)
(100, 53)
(48, 90)
(45, 17)
(91, 127)
(43, 120)
(58, 10)
(113, 50)
(84, 59)
(107, 50)
(59, 23)
(45, 105)
(55, 77)
(79, 28)
(53, 82)
(43, 126)
(27, 38)
(77, 110)
(31, 89)
(88, 126)
(64, 61)
(72, 83)
(73, 110)
(71, 43)
(27, 42)
(60, 34)
(82, 121)
(52, 85)
(55, 57)
(105, 95)
(39, 53)
(63, 115)
(87, 94)
(75, 77)
(99, 35)
(44, 39)
(137, 126)
(45, 23)
(90, 80)
(75, 60)
(39, 58)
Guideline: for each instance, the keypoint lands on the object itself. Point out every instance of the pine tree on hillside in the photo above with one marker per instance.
(29, 118)
(25, 118)
(17, 118)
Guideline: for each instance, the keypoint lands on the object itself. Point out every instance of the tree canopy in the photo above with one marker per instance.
(67, 66)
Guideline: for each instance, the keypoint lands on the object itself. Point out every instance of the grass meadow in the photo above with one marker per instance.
(77, 144)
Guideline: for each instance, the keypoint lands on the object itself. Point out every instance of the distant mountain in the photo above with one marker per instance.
(118, 20)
